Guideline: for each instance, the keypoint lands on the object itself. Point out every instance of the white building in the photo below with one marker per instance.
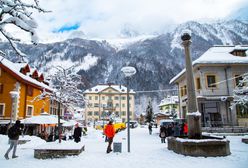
(217, 72)
(106, 101)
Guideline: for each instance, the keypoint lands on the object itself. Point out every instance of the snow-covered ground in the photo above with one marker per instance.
(146, 152)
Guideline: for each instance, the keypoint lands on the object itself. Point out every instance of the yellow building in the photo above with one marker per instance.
(106, 101)
(19, 86)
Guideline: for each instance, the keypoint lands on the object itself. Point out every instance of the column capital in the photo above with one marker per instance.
(186, 43)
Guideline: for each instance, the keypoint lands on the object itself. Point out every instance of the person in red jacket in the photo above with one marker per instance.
(109, 131)
(185, 129)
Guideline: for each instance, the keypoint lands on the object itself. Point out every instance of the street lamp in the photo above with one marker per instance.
(128, 72)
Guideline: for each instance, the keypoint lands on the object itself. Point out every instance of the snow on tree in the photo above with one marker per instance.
(18, 14)
(149, 112)
(240, 93)
(66, 84)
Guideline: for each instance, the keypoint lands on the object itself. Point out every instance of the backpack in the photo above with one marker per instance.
(162, 135)
(13, 132)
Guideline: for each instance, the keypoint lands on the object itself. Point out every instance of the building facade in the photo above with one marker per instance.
(217, 73)
(170, 106)
(106, 101)
(20, 87)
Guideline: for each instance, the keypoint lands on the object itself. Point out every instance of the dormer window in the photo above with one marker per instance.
(35, 75)
(240, 53)
(41, 78)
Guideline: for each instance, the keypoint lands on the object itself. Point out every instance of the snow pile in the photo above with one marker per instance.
(200, 140)
(64, 145)
(194, 114)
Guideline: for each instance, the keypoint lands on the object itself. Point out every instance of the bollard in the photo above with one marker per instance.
(117, 146)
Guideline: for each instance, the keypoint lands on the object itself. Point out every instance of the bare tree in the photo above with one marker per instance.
(240, 93)
(18, 14)
(66, 84)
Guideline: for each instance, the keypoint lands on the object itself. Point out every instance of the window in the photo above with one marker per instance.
(30, 91)
(96, 97)
(238, 80)
(116, 98)
(90, 98)
(1, 88)
(96, 113)
(181, 91)
(109, 97)
(103, 98)
(117, 113)
(96, 105)
(211, 81)
(123, 98)
(2, 109)
(123, 113)
(198, 83)
(123, 105)
(30, 110)
(89, 113)
(117, 105)
(185, 89)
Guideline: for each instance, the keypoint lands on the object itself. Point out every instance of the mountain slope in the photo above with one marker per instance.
(156, 59)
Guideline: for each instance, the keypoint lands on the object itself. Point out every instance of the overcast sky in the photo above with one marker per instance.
(106, 18)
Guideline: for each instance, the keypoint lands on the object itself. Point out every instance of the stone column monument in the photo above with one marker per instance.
(193, 116)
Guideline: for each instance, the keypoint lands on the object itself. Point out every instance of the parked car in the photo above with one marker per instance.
(166, 122)
(133, 124)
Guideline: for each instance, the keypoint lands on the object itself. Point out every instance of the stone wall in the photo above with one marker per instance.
(207, 148)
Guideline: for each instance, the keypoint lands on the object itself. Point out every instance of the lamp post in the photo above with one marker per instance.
(128, 72)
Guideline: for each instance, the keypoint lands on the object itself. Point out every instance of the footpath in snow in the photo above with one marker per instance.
(146, 152)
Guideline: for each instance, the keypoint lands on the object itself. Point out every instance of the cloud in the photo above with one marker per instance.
(106, 18)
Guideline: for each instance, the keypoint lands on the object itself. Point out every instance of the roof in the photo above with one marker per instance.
(14, 69)
(218, 55)
(101, 87)
(169, 100)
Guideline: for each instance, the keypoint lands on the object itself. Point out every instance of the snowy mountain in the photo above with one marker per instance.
(156, 58)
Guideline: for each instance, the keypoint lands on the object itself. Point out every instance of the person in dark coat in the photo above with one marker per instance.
(77, 133)
(176, 130)
(162, 134)
(170, 131)
(150, 128)
(13, 133)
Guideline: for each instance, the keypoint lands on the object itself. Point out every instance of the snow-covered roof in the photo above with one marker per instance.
(218, 55)
(169, 100)
(15, 68)
(101, 87)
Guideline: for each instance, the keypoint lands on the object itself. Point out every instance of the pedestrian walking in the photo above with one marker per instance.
(109, 131)
(13, 133)
(77, 133)
(162, 134)
(150, 128)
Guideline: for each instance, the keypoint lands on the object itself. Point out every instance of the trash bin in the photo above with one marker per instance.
(117, 146)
